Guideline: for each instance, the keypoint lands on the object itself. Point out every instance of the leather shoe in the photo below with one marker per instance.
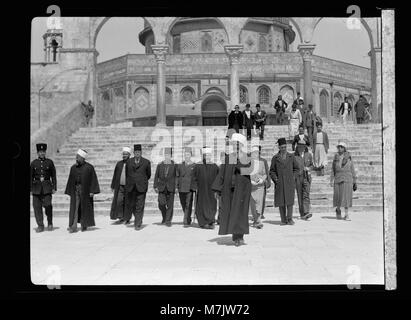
(168, 224)
(50, 227)
(283, 223)
(83, 229)
(127, 222)
(137, 227)
(39, 229)
(290, 222)
(237, 243)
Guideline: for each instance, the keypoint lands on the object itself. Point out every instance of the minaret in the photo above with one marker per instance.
(53, 39)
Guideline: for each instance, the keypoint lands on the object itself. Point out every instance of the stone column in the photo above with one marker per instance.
(306, 51)
(376, 94)
(234, 52)
(160, 52)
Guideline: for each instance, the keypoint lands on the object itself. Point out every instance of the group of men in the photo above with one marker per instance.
(225, 195)
(361, 108)
(247, 120)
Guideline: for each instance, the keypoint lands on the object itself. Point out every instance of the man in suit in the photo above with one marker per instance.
(235, 120)
(260, 117)
(138, 172)
(184, 176)
(282, 170)
(345, 110)
(165, 184)
(309, 122)
(43, 185)
(280, 105)
(300, 137)
(249, 121)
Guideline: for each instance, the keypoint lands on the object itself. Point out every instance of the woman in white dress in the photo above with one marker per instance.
(295, 118)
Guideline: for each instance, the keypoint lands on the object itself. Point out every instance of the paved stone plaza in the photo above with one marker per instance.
(321, 251)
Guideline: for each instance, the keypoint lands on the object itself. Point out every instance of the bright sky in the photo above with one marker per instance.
(119, 36)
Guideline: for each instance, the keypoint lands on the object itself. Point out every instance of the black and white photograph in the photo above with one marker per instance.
(187, 151)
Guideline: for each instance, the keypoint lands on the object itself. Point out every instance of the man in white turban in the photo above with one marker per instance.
(81, 186)
(118, 184)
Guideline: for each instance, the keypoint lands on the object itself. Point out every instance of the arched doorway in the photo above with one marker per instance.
(214, 111)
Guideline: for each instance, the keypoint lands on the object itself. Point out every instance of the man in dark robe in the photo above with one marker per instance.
(204, 174)
(82, 185)
(234, 186)
(248, 120)
(359, 108)
(282, 170)
(165, 184)
(118, 187)
(235, 119)
(43, 185)
(184, 176)
(309, 123)
(138, 172)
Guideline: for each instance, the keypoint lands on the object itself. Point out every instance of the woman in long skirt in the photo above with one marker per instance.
(295, 121)
(343, 179)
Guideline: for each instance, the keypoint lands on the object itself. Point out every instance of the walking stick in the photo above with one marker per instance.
(195, 205)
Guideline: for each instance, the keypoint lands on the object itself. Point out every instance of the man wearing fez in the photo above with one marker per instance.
(282, 170)
(82, 185)
(300, 137)
(118, 184)
(234, 187)
(165, 184)
(138, 172)
(184, 175)
(248, 120)
(309, 122)
(235, 119)
(260, 117)
(204, 174)
(43, 185)
(280, 105)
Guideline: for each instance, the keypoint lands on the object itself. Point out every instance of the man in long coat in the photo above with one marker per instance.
(260, 116)
(234, 185)
(282, 170)
(204, 174)
(43, 185)
(280, 105)
(81, 186)
(309, 122)
(184, 176)
(248, 120)
(165, 184)
(235, 119)
(138, 172)
(118, 187)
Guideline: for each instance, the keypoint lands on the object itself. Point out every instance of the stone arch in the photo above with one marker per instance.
(101, 21)
(263, 94)
(363, 22)
(214, 110)
(337, 100)
(187, 95)
(324, 102)
(297, 28)
(215, 90)
(141, 99)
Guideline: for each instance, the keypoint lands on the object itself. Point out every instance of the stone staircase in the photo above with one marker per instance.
(104, 146)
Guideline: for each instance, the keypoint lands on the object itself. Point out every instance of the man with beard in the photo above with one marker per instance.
(82, 185)
(184, 176)
(282, 170)
(138, 172)
(204, 174)
(43, 185)
(234, 186)
(118, 184)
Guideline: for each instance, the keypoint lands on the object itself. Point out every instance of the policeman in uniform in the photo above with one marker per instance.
(43, 185)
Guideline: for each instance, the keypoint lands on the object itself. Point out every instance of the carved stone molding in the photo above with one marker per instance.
(160, 52)
(306, 51)
(234, 52)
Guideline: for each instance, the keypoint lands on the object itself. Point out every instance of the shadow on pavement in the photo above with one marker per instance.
(225, 241)
(131, 225)
(329, 217)
(272, 222)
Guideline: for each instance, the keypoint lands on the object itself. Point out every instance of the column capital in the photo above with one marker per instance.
(234, 52)
(306, 50)
(160, 51)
